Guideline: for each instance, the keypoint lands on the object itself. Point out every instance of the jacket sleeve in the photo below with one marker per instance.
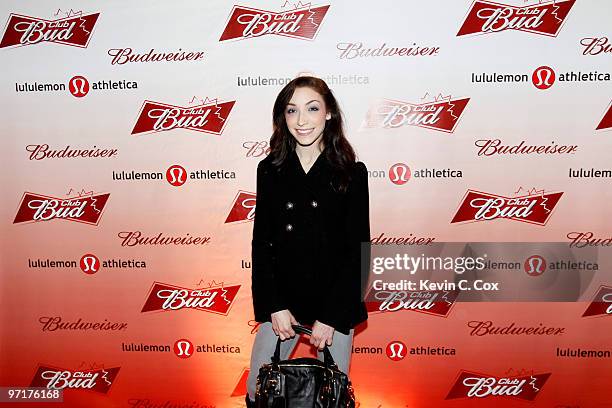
(267, 298)
(345, 296)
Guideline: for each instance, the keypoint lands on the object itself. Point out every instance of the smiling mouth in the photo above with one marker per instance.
(304, 132)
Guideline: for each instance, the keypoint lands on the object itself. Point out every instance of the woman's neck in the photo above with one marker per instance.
(309, 154)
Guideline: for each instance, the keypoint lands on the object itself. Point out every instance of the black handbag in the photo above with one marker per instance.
(303, 382)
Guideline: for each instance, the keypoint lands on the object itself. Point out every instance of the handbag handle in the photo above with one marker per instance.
(327, 357)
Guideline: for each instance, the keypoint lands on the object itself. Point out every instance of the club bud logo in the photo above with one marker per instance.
(543, 77)
(396, 350)
(216, 298)
(254, 325)
(442, 113)
(87, 208)
(241, 389)
(535, 265)
(601, 304)
(302, 23)
(474, 385)
(75, 29)
(606, 122)
(399, 174)
(434, 302)
(90, 264)
(209, 117)
(536, 207)
(183, 348)
(176, 175)
(545, 18)
(98, 380)
(243, 208)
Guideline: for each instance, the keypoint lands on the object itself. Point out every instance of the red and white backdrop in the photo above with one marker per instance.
(130, 137)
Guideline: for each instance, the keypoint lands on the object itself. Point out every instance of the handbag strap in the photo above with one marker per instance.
(327, 357)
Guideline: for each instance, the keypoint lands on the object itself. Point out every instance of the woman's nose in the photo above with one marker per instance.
(301, 119)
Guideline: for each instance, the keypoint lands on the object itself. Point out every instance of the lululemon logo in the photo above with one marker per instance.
(396, 350)
(176, 175)
(543, 77)
(399, 173)
(535, 265)
(90, 264)
(183, 348)
(78, 86)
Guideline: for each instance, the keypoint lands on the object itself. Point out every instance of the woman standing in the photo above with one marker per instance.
(312, 214)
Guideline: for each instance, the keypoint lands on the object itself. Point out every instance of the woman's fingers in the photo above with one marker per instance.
(325, 341)
(321, 341)
(284, 331)
(281, 324)
(275, 330)
(317, 341)
(322, 335)
(289, 331)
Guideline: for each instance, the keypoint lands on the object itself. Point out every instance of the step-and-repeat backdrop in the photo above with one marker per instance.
(131, 132)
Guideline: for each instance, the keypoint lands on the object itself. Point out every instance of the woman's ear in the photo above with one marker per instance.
(328, 116)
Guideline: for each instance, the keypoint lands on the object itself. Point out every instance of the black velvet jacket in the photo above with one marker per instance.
(306, 246)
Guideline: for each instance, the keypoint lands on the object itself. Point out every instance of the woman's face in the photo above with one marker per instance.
(305, 115)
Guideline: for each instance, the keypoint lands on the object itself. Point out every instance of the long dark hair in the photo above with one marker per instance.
(338, 151)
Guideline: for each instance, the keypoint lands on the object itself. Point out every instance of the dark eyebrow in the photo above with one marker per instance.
(314, 100)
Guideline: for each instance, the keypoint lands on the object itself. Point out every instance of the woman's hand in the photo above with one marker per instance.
(281, 324)
(321, 334)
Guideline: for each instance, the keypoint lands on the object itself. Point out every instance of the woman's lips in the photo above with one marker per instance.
(304, 132)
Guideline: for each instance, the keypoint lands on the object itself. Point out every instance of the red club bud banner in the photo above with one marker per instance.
(131, 138)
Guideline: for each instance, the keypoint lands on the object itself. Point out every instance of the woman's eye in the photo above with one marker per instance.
(312, 109)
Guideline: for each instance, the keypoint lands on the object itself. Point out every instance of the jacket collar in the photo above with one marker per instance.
(316, 168)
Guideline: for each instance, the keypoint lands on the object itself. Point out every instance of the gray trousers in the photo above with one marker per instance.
(265, 343)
